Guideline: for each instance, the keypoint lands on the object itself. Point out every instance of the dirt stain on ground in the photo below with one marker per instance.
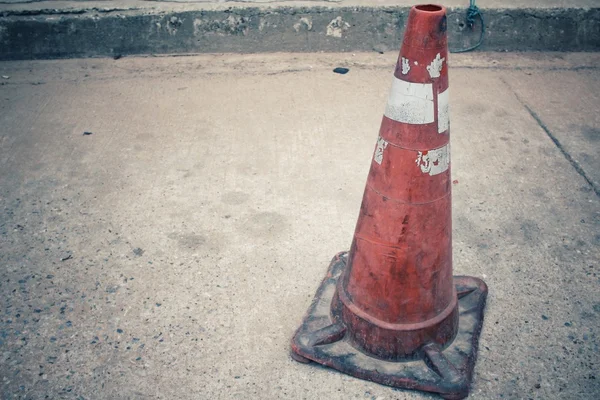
(265, 224)
(235, 198)
(590, 133)
(188, 240)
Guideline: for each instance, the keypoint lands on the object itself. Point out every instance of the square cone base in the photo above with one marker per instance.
(447, 372)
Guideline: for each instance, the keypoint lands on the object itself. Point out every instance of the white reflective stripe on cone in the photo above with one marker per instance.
(410, 103)
(434, 162)
(443, 112)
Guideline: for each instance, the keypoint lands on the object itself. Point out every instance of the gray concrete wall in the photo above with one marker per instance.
(85, 31)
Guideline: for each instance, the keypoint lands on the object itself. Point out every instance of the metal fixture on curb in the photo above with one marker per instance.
(389, 310)
(472, 14)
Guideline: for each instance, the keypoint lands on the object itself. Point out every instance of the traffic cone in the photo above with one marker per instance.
(390, 310)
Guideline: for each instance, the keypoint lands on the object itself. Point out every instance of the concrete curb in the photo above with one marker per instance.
(37, 34)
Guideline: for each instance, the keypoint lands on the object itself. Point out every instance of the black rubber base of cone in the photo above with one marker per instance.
(447, 372)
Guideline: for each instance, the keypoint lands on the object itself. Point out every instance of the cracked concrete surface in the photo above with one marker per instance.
(172, 251)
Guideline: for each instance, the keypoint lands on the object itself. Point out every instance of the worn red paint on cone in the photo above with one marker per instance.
(393, 297)
(398, 283)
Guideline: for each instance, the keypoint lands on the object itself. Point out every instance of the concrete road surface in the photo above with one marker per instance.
(172, 251)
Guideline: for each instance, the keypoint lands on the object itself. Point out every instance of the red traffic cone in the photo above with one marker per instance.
(390, 310)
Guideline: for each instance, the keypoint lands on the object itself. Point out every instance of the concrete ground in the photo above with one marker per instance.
(172, 252)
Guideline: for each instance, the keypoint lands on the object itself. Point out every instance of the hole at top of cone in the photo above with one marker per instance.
(429, 8)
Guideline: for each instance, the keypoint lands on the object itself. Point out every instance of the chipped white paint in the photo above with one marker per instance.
(336, 27)
(304, 22)
(173, 25)
(411, 103)
(381, 145)
(436, 66)
(198, 25)
(262, 23)
(434, 162)
(236, 24)
(443, 112)
(416, 63)
(405, 66)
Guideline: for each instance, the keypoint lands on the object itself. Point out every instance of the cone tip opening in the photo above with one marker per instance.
(429, 8)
